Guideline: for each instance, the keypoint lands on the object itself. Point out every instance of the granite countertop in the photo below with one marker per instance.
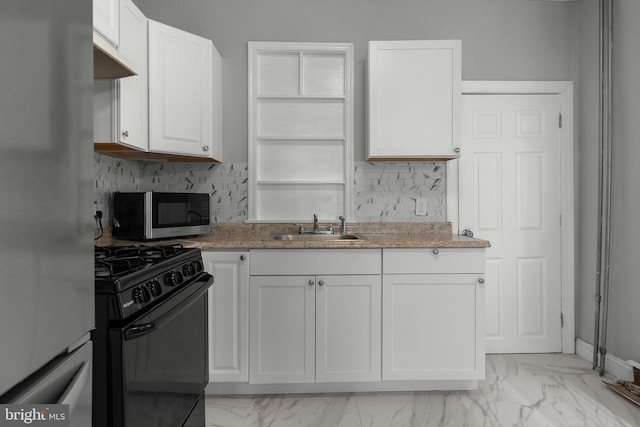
(231, 236)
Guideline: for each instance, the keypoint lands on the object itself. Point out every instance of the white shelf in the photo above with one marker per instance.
(300, 130)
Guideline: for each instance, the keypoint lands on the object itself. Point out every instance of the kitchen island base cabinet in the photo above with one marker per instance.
(228, 316)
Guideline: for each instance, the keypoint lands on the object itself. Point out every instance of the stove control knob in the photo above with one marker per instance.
(140, 295)
(197, 265)
(189, 270)
(173, 278)
(154, 288)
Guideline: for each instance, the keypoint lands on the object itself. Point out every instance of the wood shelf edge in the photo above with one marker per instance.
(129, 153)
(412, 159)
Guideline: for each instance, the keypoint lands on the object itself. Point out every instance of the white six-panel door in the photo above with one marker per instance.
(509, 193)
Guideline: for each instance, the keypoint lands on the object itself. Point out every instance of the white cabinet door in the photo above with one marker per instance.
(133, 124)
(228, 316)
(348, 332)
(106, 19)
(282, 329)
(414, 99)
(432, 327)
(180, 92)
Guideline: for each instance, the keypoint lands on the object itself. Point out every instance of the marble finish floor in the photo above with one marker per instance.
(519, 390)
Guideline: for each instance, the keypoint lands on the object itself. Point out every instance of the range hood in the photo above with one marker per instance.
(108, 63)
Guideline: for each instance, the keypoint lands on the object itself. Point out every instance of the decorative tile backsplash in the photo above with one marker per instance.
(388, 191)
(226, 182)
(382, 192)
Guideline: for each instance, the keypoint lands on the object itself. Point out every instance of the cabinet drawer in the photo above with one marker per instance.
(315, 261)
(436, 260)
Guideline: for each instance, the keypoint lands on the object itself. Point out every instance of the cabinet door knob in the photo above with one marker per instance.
(436, 251)
(125, 133)
(481, 281)
(310, 283)
(457, 149)
(205, 148)
(321, 283)
(242, 257)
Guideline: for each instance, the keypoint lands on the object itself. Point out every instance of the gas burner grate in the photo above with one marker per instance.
(112, 261)
(111, 267)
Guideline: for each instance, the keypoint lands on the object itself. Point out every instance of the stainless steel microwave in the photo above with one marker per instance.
(158, 215)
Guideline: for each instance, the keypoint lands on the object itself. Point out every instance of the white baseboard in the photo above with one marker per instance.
(613, 365)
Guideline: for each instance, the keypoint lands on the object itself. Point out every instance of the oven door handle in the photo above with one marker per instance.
(139, 330)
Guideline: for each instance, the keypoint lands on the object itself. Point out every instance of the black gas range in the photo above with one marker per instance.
(141, 276)
(151, 357)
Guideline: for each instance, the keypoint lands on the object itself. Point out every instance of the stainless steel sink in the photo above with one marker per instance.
(315, 237)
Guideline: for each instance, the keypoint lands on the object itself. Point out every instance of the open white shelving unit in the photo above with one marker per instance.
(300, 131)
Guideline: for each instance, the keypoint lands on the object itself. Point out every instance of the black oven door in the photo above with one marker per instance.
(164, 361)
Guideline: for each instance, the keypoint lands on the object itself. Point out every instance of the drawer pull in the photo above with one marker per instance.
(310, 283)
(436, 251)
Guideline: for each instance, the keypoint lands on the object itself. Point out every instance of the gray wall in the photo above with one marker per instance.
(624, 312)
(587, 143)
(624, 296)
(501, 39)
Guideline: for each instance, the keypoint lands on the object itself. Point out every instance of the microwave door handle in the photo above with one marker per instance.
(137, 331)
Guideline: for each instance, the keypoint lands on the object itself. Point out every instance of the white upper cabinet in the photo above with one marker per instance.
(133, 91)
(106, 19)
(414, 94)
(300, 130)
(181, 95)
(121, 106)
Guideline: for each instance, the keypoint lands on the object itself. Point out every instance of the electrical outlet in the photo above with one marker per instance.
(97, 207)
(421, 207)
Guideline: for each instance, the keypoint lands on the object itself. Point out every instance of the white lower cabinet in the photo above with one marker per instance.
(327, 320)
(318, 327)
(433, 314)
(228, 316)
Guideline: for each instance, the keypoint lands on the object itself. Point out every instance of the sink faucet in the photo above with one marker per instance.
(316, 228)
